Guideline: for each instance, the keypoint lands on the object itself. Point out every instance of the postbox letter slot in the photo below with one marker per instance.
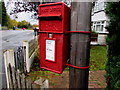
(50, 17)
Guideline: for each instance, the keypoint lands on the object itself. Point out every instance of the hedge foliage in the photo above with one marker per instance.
(113, 41)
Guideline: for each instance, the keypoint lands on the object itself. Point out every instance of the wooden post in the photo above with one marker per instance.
(26, 44)
(80, 44)
(9, 59)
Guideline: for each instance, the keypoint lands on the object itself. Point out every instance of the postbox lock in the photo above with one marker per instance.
(50, 35)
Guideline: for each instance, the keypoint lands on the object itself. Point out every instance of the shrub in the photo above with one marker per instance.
(113, 41)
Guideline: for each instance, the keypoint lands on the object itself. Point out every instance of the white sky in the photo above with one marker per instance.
(21, 16)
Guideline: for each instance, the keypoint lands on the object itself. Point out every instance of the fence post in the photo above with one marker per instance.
(8, 59)
(26, 45)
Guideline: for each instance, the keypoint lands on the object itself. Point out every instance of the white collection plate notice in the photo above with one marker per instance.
(50, 50)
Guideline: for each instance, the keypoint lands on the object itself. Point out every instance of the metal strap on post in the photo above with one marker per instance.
(78, 67)
(51, 32)
(83, 32)
(66, 32)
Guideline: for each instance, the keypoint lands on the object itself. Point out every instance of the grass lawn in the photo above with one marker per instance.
(98, 57)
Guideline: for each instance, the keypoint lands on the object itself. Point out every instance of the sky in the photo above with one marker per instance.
(21, 16)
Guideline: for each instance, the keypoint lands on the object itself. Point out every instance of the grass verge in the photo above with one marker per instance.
(98, 57)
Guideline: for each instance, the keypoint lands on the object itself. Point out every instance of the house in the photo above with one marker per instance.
(99, 21)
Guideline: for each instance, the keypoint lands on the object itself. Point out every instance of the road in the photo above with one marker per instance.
(11, 39)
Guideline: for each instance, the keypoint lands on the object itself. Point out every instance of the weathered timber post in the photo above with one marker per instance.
(80, 44)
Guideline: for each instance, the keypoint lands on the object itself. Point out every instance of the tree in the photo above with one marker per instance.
(5, 16)
(24, 24)
(34, 25)
(13, 23)
(0, 13)
(30, 6)
(113, 41)
(29, 26)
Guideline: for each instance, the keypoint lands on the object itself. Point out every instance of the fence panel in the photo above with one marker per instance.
(15, 67)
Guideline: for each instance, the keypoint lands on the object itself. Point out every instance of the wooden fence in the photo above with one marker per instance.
(31, 47)
(16, 69)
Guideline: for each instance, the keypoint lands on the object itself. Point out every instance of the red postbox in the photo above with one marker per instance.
(53, 39)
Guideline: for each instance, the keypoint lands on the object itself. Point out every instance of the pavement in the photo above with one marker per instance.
(61, 81)
(97, 79)
(11, 39)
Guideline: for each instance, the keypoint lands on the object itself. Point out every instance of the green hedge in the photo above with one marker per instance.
(113, 41)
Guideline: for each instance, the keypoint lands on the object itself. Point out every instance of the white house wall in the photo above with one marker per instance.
(100, 21)
(100, 16)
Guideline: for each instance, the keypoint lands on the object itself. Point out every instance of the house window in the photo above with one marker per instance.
(94, 28)
(102, 22)
(102, 26)
(98, 26)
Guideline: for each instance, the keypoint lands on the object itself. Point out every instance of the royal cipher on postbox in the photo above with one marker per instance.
(53, 39)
